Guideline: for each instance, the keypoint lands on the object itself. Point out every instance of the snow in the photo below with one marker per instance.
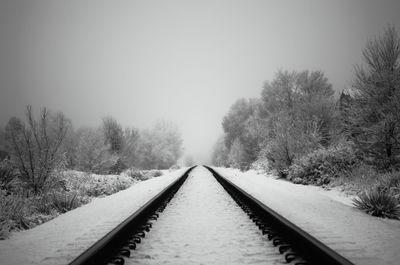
(327, 215)
(223, 233)
(202, 224)
(62, 239)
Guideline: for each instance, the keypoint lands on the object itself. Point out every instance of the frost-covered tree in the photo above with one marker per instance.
(35, 146)
(300, 113)
(161, 146)
(92, 154)
(244, 125)
(130, 149)
(374, 113)
(220, 153)
(114, 135)
(189, 161)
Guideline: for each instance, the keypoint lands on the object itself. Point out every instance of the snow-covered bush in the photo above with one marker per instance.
(13, 213)
(377, 202)
(390, 183)
(8, 175)
(174, 167)
(142, 174)
(64, 201)
(93, 185)
(324, 164)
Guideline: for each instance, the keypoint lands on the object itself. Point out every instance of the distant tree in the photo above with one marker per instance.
(34, 147)
(233, 122)
(130, 149)
(244, 125)
(189, 161)
(237, 156)
(220, 153)
(92, 153)
(160, 147)
(3, 144)
(69, 148)
(113, 134)
(374, 113)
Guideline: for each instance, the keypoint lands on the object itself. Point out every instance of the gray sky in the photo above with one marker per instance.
(184, 61)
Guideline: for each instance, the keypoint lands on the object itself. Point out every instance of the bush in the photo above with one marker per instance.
(324, 164)
(143, 174)
(64, 201)
(390, 183)
(7, 175)
(174, 167)
(153, 173)
(261, 164)
(92, 185)
(13, 212)
(376, 202)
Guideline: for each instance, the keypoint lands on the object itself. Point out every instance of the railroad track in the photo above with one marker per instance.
(118, 243)
(293, 243)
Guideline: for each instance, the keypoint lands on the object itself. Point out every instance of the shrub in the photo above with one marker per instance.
(135, 174)
(174, 167)
(64, 201)
(390, 183)
(378, 203)
(261, 164)
(324, 164)
(153, 173)
(7, 175)
(5, 228)
(92, 185)
(13, 211)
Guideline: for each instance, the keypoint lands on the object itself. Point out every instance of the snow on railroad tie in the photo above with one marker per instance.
(62, 239)
(361, 238)
(202, 224)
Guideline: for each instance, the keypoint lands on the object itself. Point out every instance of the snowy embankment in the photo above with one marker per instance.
(326, 215)
(62, 239)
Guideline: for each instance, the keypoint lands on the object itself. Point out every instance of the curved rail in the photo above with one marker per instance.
(313, 250)
(109, 246)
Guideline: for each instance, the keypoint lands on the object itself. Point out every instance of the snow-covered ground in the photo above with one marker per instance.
(202, 224)
(62, 239)
(327, 215)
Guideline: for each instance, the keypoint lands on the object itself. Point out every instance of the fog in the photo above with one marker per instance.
(183, 61)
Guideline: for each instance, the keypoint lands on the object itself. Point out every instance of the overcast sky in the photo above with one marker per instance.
(184, 61)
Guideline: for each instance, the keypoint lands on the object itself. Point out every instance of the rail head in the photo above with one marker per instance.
(308, 243)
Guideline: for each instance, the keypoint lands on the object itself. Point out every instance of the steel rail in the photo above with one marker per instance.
(105, 248)
(314, 250)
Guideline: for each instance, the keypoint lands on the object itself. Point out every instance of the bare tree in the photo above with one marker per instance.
(34, 146)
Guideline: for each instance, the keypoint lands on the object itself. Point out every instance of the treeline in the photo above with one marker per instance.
(38, 148)
(300, 129)
(294, 116)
